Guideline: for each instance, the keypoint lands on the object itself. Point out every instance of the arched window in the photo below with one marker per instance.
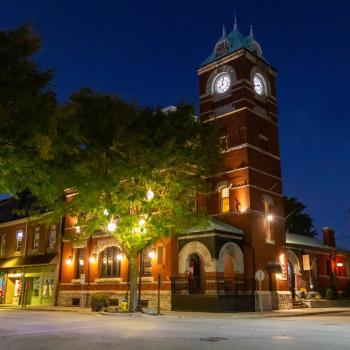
(110, 261)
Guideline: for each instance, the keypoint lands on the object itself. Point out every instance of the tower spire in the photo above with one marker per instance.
(235, 22)
(251, 31)
(223, 31)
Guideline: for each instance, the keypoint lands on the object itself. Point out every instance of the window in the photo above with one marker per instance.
(79, 262)
(110, 262)
(36, 238)
(3, 244)
(52, 236)
(19, 240)
(147, 256)
(224, 143)
(160, 255)
(225, 200)
(264, 141)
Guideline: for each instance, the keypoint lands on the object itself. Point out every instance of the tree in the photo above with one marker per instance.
(27, 103)
(134, 171)
(297, 221)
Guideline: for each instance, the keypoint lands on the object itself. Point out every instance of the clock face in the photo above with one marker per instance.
(259, 85)
(222, 83)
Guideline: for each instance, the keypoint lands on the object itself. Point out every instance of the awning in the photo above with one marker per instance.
(46, 259)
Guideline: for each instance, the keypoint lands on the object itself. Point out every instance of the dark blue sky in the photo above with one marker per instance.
(149, 51)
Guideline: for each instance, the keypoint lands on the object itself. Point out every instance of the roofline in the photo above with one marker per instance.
(228, 55)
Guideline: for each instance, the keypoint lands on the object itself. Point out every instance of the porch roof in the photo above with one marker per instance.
(47, 259)
(294, 239)
(214, 225)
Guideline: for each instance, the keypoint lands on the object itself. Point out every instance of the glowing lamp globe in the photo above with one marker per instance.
(111, 227)
(150, 195)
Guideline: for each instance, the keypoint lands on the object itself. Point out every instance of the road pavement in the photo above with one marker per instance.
(29, 329)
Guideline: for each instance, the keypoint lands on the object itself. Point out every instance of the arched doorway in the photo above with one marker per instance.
(194, 274)
(291, 279)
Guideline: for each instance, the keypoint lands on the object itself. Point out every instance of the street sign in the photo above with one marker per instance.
(260, 275)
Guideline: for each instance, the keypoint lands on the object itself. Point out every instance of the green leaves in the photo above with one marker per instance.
(108, 152)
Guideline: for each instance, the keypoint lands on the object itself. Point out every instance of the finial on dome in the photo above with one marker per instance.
(251, 31)
(223, 31)
(235, 23)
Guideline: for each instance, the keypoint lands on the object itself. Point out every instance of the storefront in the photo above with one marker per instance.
(30, 284)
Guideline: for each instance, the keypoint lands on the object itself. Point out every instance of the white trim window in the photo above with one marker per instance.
(3, 244)
(36, 238)
(225, 200)
(53, 236)
(19, 240)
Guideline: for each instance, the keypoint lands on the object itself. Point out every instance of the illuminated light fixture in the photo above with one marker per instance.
(282, 259)
(111, 227)
(279, 276)
(142, 222)
(77, 229)
(106, 212)
(81, 262)
(152, 254)
(69, 260)
(20, 234)
(340, 264)
(270, 217)
(150, 195)
(93, 258)
(242, 210)
(119, 257)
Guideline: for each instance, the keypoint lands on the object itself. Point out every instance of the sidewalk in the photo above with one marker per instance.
(266, 314)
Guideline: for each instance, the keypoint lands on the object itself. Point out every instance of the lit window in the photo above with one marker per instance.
(36, 238)
(3, 244)
(79, 262)
(110, 262)
(52, 237)
(19, 240)
(147, 262)
(225, 200)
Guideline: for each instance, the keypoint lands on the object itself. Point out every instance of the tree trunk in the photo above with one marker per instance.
(134, 271)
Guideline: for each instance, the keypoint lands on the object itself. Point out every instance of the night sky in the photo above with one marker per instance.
(148, 51)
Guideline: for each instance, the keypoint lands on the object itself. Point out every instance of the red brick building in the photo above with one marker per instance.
(29, 256)
(214, 269)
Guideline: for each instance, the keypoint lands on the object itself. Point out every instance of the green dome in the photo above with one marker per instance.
(233, 42)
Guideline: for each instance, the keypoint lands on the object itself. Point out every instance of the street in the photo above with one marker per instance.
(73, 330)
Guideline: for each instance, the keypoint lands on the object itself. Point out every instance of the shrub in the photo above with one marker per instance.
(99, 301)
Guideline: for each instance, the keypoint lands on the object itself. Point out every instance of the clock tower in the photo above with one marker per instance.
(237, 92)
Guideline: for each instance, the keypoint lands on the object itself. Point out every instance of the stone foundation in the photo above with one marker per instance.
(65, 298)
(281, 300)
(263, 298)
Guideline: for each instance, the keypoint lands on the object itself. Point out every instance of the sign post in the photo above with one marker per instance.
(259, 276)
